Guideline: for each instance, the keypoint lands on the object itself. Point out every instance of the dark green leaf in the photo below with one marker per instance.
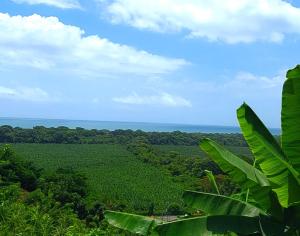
(210, 225)
(270, 227)
(238, 224)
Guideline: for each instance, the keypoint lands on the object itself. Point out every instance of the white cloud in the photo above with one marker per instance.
(244, 86)
(64, 4)
(261, 82)
(46, 43)
(242, 82)
(25, 93)
(164, 99)
(232, 21)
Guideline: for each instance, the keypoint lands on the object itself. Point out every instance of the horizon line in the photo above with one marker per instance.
(118, 121)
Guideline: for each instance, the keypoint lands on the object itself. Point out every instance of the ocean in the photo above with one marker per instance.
(113, 125)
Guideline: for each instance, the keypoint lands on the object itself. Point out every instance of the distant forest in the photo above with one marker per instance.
(65, 135)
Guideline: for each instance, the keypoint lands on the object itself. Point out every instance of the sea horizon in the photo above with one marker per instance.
(123, 125)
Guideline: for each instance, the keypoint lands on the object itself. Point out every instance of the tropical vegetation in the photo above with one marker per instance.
(269, 201)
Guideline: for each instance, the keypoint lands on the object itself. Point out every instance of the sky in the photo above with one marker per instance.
(166, 61)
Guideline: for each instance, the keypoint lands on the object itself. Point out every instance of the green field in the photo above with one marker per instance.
(113, 174)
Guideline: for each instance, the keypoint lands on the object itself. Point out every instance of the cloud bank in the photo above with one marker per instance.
(45, 43)
(231, 21)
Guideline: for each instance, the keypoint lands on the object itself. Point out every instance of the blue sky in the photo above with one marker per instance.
(174, 61)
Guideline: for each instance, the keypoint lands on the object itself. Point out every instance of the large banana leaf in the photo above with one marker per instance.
(213, 204)
(241, 172)
(282, 176)
(290, 117)
(210, 225)
(133, 223)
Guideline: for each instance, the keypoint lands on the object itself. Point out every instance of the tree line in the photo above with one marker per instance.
(41, 134)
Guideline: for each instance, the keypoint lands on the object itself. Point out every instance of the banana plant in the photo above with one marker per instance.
(272, 182)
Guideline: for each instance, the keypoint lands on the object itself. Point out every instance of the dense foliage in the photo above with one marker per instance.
(14, 170)
(35, 203)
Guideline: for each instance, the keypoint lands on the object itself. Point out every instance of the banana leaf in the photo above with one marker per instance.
(269, 156)
(213, 204)
(209, 225)
(241, 172)
(136, 224)
(290, 116)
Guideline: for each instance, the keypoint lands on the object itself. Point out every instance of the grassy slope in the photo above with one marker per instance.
(112, 173)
